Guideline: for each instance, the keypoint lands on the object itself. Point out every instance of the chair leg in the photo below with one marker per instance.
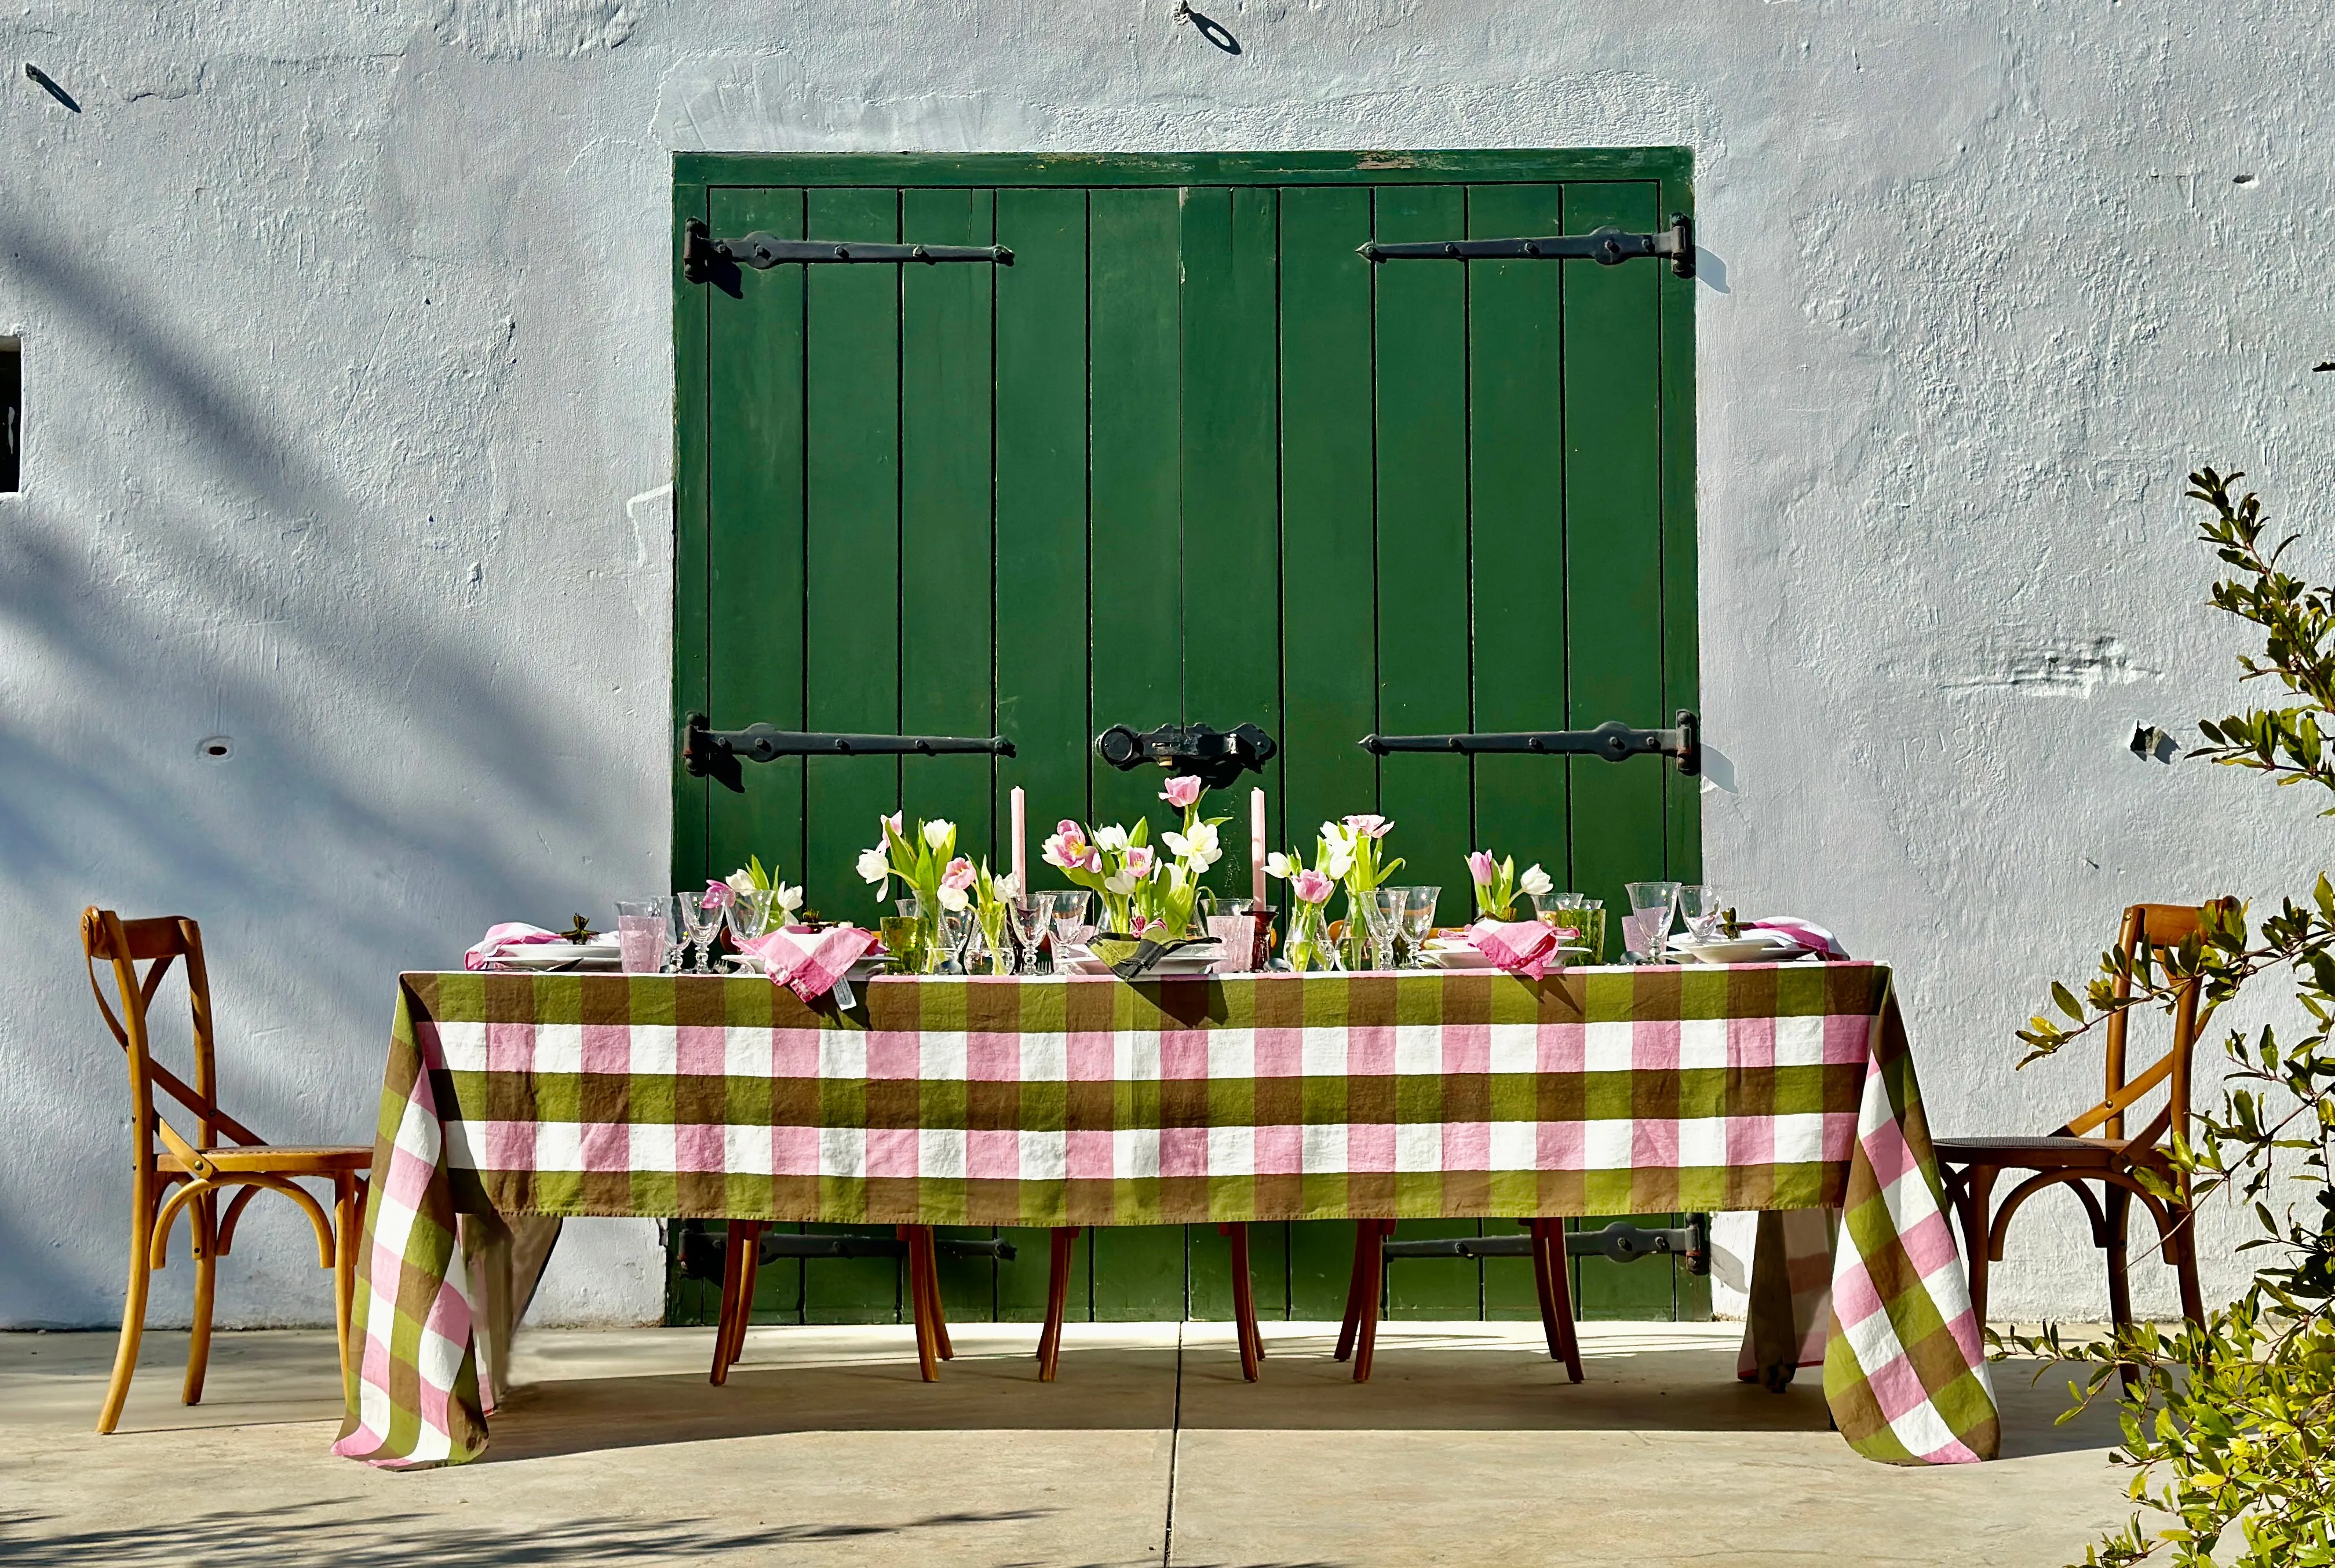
(348, 1231)
(1976, 1204)
(1551, 1281)
(2117, 1205)
(1252, 1342)
(2185, 1265)
(202, 1241)
(1352, 1323)
(750, 1269)
(1373, 1252)
(1058, 1296)
(927, 1356)
(134, 1311)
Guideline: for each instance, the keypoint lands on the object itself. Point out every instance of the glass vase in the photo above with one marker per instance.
(1310, 947)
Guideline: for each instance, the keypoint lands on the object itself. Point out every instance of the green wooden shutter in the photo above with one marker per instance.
(1190, 457)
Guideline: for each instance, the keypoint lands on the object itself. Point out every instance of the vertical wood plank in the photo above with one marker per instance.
(754, 587)
(1041, 510)
(852, 552)
(1517, 525)
(1140, 1273)
(1135, 298)
(1682, 644)
(948, 599)
(1330, 569)
(1230, 513)
(692, 473)
(1421, 336)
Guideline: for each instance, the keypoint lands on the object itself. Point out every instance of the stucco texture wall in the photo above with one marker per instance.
(347, 344)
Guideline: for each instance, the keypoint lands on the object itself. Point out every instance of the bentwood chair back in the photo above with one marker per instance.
(170, 1172)
(2096, 1146)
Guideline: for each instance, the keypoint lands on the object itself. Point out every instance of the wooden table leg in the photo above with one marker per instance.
(932, 1296)
(1346, 1329)
(732, 1265)
(1556, 1284)
(1058, 1295)
(1252, 1342)
(927, 1358)
(1373, 1260)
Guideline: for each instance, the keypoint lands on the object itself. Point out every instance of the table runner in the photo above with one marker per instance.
(1087, 1101)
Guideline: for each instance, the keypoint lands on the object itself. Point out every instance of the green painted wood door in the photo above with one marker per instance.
(1189, 457)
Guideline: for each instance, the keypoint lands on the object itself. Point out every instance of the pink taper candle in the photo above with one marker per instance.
(1256, 845)
(1020, 843)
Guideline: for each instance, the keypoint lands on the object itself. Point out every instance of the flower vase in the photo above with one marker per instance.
(1354, 943)
(1310, 947)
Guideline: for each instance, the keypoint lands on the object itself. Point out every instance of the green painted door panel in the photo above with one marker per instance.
(1188, 459)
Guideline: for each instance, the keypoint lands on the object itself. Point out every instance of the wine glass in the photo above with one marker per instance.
(702, 925)
(1028, 915)
(1382, 913)
(1419, 924)
(1700, 905)
(748, 915)
(1072, 926)
(1646, 929)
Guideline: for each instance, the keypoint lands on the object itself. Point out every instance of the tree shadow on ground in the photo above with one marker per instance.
(318, 1533)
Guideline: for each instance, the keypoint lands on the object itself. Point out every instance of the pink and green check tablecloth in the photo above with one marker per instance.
(1087, 1101)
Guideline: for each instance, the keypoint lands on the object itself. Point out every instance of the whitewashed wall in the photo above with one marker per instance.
(347, 342)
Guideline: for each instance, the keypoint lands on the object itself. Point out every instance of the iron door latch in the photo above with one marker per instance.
(1613, 740)
(1605, 247)
(715, 754)
(700, 253)
(1217, 757)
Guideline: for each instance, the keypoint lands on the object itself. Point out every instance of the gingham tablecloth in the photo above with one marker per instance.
(1091, 1102)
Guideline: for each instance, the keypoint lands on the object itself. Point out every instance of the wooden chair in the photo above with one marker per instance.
(204, 1170)
(741, 1257)
(1543, 1241)
(2093, 1146)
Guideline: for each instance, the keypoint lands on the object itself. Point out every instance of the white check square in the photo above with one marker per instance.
(1606, 1047)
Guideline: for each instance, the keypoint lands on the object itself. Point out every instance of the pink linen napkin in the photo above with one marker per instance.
(810, 963)
(509, 934)
(1815, 938)
(1524, 947)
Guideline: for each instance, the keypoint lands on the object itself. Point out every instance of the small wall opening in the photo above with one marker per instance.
(12, 414)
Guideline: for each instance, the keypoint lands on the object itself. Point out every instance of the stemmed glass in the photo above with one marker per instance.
(1072, 926)
(701, 926)
(1646, 929)
(1574, 913)
(1382, 912)
(1028, 915)
(748, 916)
(1418, 924)
(1700, 906)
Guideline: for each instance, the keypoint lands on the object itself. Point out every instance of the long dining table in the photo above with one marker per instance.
(1085, 1101)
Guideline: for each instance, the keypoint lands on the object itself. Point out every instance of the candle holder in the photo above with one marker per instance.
(1247, 933)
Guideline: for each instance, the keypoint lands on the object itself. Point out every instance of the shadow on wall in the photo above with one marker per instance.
(317, 1533)
(385, 744)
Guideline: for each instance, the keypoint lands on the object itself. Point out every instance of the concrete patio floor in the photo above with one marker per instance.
(1468, 1446)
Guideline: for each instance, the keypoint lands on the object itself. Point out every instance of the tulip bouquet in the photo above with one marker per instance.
(1166, 897)
(1113, 861)
(1498, 884)
(781, 905)
(1356, 842)
(991, 895)
(927, 864)
(1310, 888)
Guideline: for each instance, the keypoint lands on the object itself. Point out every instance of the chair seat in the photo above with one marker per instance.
(2051, 1152)
(275, 1159)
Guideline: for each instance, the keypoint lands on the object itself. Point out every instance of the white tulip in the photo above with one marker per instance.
(1005, 886)
(741, 881)
(953, 899)
(1120, 884)
(1113, 837)
(1277, 864)
(874, 865)
(1534, 882)
(1340, 861)
(937, 832)
(790, 900)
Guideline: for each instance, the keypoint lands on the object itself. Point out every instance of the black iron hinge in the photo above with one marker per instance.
(1613, 740)
(710, 753)
(1217, 756)
(1605, 247)
(700, 253)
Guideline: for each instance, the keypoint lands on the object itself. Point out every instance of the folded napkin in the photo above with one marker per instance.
(1815, 938)
(810, 963)
(1524, 947)
(509, 934)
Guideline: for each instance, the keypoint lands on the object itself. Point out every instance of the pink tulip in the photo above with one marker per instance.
(1371, 827)
(1140, 859)
(718, 896)
(959, 874)
(1311, 886)
(1181, 792)
(1482, 867)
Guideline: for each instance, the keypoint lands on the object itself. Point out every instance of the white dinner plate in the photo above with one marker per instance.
(1749, 950)
(1189, 962)
(1459, 955)
(561, 955)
